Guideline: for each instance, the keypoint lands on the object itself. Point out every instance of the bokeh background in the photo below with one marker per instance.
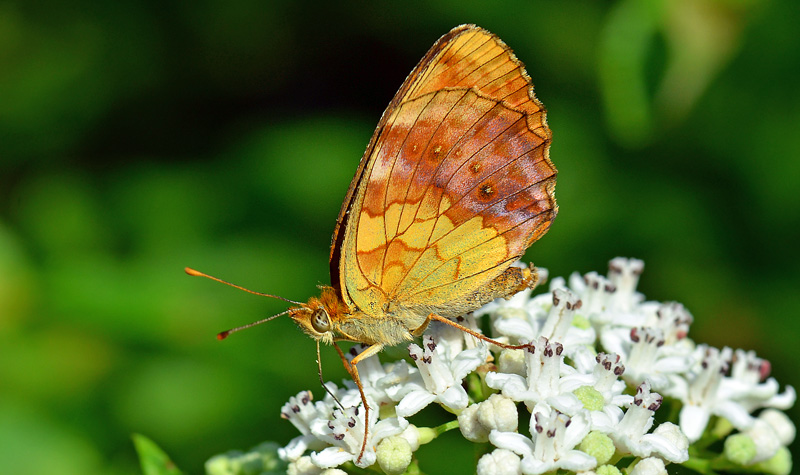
(137, 138)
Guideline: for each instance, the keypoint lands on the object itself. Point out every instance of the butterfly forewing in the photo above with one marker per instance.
(455, 185)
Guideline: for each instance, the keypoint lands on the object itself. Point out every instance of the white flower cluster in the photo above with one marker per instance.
(601, 362)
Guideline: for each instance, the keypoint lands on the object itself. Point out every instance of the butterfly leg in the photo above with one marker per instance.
(477, 335)
(352, 368)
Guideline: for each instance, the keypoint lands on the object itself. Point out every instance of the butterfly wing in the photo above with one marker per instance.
(455, 184)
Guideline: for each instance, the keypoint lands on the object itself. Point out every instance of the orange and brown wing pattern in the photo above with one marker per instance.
(456, 183)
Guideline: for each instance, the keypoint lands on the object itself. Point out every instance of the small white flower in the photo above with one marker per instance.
(642, 351)
(674, 321)
(597, 294)
(499, 462)
(453, 340)
(745, 384)
(439, 378)
(631, 435)
(558, 324)
(302, 412)
(548, 315)
(598, 388)
(554, 436)
(623, 273)
(543, 379)
(344, 431)
(704, 396)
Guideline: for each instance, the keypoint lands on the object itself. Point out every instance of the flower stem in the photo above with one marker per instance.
(446, 427)
(699, 465)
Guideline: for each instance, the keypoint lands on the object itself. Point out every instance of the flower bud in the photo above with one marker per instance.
(607, 470)
(780, 422)
(590, 397)
(499, 462)
(779, 464)
(739, 449)
(650, 466)
(599, 446)
(498, 412)
(394, 455)
(511, 362)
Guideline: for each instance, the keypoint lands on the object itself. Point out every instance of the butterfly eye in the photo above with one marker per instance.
(320, 321)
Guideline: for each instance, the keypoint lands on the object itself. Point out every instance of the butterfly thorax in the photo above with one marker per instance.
(329, 319)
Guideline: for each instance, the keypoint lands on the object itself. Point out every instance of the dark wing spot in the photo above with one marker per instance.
(436, 153)
(486, 191)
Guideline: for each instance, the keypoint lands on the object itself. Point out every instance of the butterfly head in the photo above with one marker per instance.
(314, 320)
(318, 317)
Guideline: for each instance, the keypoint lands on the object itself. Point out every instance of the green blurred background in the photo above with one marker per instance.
(140, 137)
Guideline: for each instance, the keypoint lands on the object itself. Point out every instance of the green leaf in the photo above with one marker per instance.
(153, 460)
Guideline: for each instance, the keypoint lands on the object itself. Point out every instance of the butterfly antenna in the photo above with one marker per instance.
(226, 333)
(197, 273)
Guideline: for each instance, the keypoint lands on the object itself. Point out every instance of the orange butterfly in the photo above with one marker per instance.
(454, 186)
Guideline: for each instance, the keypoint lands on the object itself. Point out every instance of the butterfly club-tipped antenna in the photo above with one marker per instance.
(226, 333)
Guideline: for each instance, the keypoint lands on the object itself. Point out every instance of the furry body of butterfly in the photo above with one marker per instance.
(398, 324)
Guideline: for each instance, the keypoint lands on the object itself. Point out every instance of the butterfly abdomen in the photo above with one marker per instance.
(384, 329)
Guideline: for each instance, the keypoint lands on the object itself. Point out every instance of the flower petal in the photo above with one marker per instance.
(455, 398)
(414, 402)
(331, 457)
(517, 443)
(693, 421)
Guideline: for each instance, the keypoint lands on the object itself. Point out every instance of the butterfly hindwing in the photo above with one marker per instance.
(456, 182)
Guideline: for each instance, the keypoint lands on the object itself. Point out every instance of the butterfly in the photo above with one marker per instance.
(456, 183)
